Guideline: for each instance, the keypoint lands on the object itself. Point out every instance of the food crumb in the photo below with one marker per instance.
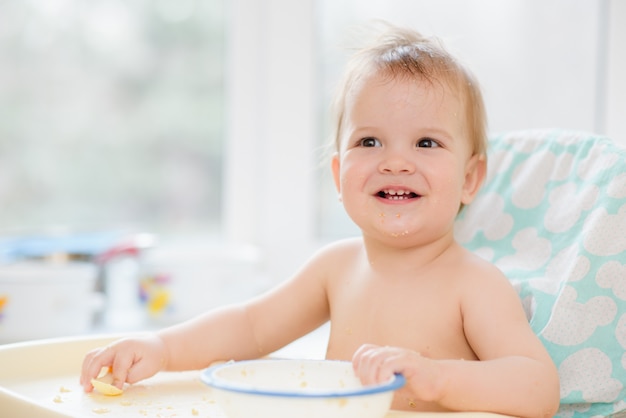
(58, 399)
(63, 389)
(126, 403)
(101, 410)
(303, 384)
(194, 412)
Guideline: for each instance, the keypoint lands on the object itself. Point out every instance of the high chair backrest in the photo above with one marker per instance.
(552, 216)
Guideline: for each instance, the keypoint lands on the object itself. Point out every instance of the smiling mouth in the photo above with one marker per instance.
(392, 194)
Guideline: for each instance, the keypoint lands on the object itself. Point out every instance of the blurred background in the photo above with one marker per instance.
(185, 139)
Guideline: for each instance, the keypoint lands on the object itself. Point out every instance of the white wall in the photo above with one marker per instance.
(537, 60)
(270, 130)
(615, 117)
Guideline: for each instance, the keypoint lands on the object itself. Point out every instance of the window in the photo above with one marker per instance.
(111, 114)
(135, 112)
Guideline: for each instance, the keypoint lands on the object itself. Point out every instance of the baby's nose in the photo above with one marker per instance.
(396, 163)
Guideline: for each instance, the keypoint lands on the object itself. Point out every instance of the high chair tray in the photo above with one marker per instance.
(40, 379)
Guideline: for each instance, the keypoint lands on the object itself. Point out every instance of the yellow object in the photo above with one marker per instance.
(159, 301)
(103, 383)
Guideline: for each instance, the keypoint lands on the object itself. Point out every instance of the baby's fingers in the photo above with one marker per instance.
(371, 364)
(119, 357)
(121, 365)
(93, 362)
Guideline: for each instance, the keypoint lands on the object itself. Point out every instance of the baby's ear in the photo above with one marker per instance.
(335, 166)
(475, 173)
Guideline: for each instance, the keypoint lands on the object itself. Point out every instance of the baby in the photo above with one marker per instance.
(404, 297)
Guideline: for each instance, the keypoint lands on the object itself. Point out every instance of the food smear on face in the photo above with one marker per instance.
(400, 234)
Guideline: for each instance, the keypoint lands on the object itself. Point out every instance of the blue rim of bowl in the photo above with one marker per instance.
(209, 377)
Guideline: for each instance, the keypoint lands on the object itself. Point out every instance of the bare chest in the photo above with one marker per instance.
(424, 316)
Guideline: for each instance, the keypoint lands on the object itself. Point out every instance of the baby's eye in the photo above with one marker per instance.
(427, 143)
(369, 142)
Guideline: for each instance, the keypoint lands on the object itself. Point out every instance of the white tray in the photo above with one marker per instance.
(40, 379)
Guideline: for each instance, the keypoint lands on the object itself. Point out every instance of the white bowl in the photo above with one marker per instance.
(273, 388)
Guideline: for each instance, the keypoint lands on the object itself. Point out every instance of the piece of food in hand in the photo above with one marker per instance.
(104, 383)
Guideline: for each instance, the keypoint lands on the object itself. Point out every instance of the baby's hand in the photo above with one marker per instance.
(131, 360)
(375, 364)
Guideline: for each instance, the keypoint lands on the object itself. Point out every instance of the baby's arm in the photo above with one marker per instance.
(514, 365)
(514, 374)
(510, 385)
(250, 330)
(217, 335)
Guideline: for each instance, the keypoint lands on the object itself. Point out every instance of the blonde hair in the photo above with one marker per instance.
(401, 52)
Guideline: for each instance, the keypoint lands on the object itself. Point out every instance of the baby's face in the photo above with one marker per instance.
(404, 157)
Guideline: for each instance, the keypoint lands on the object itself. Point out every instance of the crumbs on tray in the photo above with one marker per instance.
(59, 398)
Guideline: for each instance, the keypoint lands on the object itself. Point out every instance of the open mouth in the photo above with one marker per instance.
(393, 194)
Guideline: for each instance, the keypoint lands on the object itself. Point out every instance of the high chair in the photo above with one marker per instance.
(552, 216)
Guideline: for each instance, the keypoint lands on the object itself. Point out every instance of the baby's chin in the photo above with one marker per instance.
(396, 236)
(405, 236)
(400, 234)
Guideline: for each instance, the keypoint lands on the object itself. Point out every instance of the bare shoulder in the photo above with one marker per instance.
(483, 276)
(494, 320)
(354, 244)
(339, 259)
(340, 251)
(487, 294)
(329, 262)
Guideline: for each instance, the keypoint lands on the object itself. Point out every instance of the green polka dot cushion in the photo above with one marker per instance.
(552, 216)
